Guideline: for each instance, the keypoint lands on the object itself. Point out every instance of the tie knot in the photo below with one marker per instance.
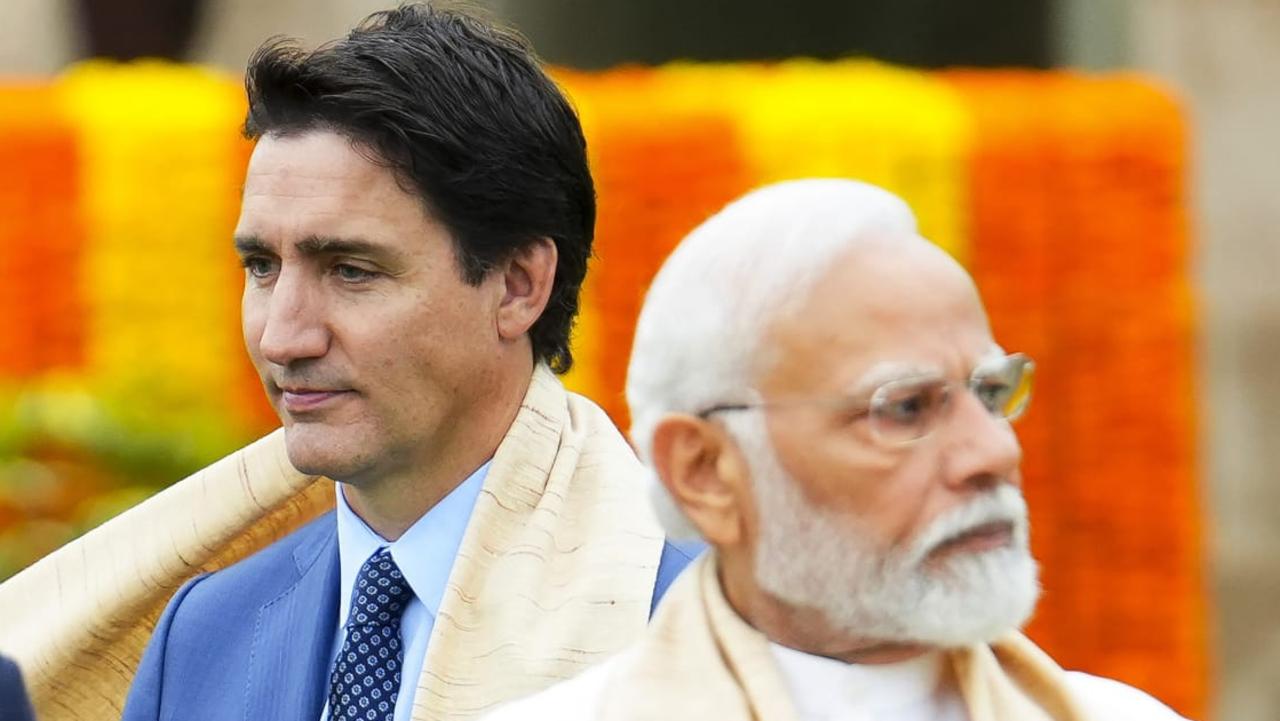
(381, 592)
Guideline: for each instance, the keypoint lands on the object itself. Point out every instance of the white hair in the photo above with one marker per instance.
(698, 336)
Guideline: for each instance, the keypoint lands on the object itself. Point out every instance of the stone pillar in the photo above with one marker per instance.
(37, 37)
(233, 29)
(1224, 59)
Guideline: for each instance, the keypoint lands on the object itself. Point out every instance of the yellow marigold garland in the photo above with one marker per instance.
(160, 173)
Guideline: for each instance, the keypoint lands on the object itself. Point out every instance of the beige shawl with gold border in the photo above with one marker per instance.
(555, 572)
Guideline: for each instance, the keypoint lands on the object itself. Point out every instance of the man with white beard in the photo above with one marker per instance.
(818, 392)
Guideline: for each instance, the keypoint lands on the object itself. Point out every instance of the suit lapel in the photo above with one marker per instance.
(293, 636)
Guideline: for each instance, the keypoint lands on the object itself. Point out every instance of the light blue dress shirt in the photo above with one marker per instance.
(425, 556)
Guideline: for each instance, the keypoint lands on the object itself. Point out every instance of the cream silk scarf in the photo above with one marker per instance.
(555, 571)
(700, 660)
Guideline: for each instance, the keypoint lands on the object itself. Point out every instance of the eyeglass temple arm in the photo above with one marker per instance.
(723, 408)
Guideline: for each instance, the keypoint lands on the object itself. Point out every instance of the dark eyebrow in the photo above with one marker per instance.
(315, 245)
(249, 245)
(329, 245)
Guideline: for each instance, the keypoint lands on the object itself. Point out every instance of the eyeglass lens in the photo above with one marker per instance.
(907, 410)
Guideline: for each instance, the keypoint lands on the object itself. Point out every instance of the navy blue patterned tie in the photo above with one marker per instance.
(366, 675)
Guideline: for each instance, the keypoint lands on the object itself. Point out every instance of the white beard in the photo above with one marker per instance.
(812, 557)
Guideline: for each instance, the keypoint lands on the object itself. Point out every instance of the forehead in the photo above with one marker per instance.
(882, 308)
(317, 182)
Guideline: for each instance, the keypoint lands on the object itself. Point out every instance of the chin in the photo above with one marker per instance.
(978, 599)
(325, 451)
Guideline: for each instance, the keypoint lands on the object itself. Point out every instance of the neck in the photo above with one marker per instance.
(392, 502)
(801, 628)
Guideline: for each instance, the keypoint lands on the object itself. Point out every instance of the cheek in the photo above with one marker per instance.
(841, 471)
(252, 322)
(908, 499)
(450, 310)
(888, 491)
(408, 348)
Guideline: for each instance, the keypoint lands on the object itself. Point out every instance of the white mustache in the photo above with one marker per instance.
(1003, 505)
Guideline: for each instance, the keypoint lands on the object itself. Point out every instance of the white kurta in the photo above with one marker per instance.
(828, 690)
(824, 689)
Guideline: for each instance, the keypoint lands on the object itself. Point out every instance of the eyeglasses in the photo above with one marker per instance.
(906, 410)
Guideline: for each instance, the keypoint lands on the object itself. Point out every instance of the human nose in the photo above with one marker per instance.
(981, 448)
(294, 327)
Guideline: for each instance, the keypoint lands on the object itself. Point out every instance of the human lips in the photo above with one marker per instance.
(304, 399)
(977, 539)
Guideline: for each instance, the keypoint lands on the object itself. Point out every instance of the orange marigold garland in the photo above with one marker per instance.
(1080, 248)
(659, 170)
(41, 307)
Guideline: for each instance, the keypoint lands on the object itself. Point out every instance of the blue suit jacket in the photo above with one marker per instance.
(253, 641)
(14, 705)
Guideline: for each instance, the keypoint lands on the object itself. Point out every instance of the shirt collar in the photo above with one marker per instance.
(424, 553)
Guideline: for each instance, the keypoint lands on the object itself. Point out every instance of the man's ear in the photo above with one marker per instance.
(527, 276)
(705, 474)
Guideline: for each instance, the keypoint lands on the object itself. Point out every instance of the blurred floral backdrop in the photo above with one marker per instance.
(121, 365)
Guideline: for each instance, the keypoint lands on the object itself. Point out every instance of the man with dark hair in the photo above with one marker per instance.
(416, 224)
(415, 227)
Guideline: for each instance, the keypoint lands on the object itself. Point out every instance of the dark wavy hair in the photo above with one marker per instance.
(463, 114)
